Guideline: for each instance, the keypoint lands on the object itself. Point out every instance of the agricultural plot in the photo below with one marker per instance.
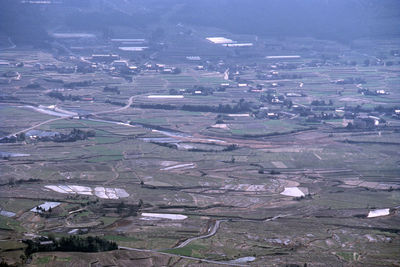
(229, 186)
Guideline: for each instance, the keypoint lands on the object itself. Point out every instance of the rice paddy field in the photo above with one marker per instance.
(215, 187)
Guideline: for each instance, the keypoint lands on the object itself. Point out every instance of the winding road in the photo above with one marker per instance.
(130, 101)
(211, 231)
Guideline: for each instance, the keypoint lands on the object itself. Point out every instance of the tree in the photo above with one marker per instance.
(21, 137)
(173, 91)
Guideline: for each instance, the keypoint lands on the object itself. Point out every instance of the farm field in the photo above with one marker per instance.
(203, 155)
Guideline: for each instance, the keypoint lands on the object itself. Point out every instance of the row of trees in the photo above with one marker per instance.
(112, 89)
(60, 96)
(242, 106)
(70, 243)
(321, 103)
(77, 84)
(73, 136)
(13, 138)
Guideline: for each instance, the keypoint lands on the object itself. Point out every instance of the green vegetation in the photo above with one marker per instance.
(10, 224)
(71, 243)
(191, 250)
(120, 238)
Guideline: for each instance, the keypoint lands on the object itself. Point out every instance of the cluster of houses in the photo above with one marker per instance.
(111, 63)
(372, 92)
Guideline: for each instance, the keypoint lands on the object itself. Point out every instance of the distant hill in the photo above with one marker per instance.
(329, 19)
(23, 23)
(341, 20)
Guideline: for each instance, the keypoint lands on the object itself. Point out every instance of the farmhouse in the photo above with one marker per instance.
(193, 58)
(11, 74)
(381, 92)
(364, 122)
(120, 64)
(293, 94)
(272, 115)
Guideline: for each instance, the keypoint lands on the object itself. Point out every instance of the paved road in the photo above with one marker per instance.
(184, 257)
(211, 231)
(130, 101)
(37, 125)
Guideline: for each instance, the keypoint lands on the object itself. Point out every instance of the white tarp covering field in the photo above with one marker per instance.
(7, 213)
(180, 166)
(45, 206)
(220, 40)
(246, 187)
(239, 45)
(378, 213)
(243, 260)
(66, 35)
(239, 115)
(220, 126)
(293, 192)
(165, 216)
(132, 48)
(101, 192)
